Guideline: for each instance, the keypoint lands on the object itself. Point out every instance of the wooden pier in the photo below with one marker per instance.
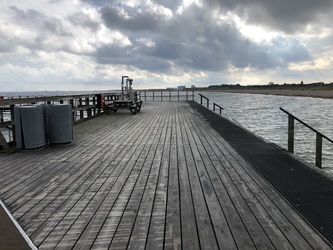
(163, 178)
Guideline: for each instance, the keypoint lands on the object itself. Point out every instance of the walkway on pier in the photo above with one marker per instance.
(163, 177)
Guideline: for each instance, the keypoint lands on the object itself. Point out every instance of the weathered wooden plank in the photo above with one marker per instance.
(141, 227)
(222, 231)
(206, 232)
(155, 237)
(172, 227)
(124, 230)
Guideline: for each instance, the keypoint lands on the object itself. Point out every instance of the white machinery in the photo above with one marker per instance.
(128, 99)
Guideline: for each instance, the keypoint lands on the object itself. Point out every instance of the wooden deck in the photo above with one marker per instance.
(161, 178)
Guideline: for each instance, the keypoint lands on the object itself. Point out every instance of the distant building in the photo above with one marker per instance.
(192, 86)
(181, 87)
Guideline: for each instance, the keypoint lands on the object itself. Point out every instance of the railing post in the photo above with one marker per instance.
(170, 95)
(319, 147)
(214, 106)
(145, 95)
(291, 129)
(153, 95)
(207, 103)
(12, 118)
(88, 110)
(161, 96)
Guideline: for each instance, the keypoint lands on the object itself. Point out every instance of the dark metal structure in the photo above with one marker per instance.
(128, 98)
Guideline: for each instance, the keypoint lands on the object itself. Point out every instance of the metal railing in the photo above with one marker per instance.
(204, 97)
(166, 95)
(291, 137)
(216, 105)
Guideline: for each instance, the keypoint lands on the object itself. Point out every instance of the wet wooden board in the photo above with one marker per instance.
(160, 179)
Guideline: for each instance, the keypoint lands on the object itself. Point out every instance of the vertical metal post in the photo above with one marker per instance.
(178, 95)
(201, 99)
(81, 111)
(12, 118)
(145, 95)
(1, 115)
(88, 110)
(170, 95)
(214, 106)
(71, 102)
(153, 95)
(207, 103)
(291, 129)
(319, 147)
(186, 95)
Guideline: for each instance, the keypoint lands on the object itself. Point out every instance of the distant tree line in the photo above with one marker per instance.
(272, 85)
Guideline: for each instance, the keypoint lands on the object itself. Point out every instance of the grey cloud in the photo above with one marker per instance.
(113, 54)
(194, 40)
(83, 20)
(288, 16)
(37, 21)
(170, 4)
(136, 19)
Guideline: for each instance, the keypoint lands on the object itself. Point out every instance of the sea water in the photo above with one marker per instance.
(261, 115)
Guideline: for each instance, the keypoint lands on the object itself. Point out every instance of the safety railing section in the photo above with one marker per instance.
(291, 137)
(84, 107)
(205, 98)
(218, 106)
(166, 95)
(215, 105)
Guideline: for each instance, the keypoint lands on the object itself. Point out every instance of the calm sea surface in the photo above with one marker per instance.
(261, 115)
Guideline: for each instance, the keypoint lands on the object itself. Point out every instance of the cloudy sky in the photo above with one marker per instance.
(90, 44)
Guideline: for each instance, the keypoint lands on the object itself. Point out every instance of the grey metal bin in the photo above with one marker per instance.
(59, 123)
(29, 127)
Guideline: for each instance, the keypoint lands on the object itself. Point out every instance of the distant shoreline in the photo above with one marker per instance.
(316, 93)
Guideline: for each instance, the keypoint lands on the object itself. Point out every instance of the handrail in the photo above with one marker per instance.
(319, 137)
(306, 125)
(214, 104)
(166, 95)
(202, 96)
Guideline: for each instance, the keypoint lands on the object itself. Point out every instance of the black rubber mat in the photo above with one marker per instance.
(309, 192)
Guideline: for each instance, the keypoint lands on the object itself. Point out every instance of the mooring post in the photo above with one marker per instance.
(319, 147)
(291, 129)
